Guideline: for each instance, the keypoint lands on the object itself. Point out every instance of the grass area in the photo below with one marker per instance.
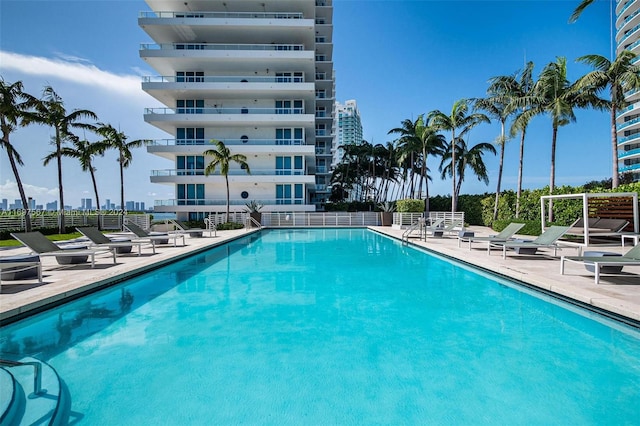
(54, 237)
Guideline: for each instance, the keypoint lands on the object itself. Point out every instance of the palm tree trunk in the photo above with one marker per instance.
(552, 179)
(226, 178)
(454, 200)
(519, 193)
(61, 224)
(500, 167)
(615, 175)
(95, 189)
(23, 197)
(122, 205)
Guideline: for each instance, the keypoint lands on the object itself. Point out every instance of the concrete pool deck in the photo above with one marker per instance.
(617, 294)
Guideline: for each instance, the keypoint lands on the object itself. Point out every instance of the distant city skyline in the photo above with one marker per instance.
(86, 204)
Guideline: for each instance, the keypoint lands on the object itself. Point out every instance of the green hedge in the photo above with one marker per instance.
(410, 206)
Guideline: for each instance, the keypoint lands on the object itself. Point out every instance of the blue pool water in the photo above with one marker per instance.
(339, 326)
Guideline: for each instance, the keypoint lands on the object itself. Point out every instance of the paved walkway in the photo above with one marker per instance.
(619, 294)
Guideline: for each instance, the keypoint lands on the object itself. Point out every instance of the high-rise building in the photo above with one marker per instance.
(86, 204)
(52, 206)
(4, 205)
(628, 120)
(348, 128)
(256, 75)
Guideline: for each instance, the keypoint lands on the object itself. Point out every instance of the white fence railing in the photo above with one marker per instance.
(405, 220)
(51, 220)
(305, 219)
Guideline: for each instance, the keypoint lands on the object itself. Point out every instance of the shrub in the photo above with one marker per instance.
(531, 227)
(409, 206)
(229, 225)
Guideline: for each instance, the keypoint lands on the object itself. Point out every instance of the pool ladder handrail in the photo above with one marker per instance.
(37, 372)
(417, 224)
(255, 222)
(211, 226)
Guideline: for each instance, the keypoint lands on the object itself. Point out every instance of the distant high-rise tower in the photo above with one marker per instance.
(348, 128)
(256, 75)
(628, 120)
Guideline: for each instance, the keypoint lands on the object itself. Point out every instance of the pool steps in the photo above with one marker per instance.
(20, 406)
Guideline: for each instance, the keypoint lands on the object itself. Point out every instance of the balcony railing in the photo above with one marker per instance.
(223, 202)
(222, 79)
(628, 18)
(239, 15)
(625, 7)
(625, 110)
(235, 172)
(628, 123)
(628, 33)
(174, 142)
(629, 168)
(237, 110)
(628, 138)
(216, 46)
(632, 45)
(623, 154)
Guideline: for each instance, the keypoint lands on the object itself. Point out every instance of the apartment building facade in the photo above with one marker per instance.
(628, 120)
(256, 75)
(348, 128)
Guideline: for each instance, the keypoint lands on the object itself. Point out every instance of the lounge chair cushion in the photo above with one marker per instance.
(604, 269)
(19, 272)
(72, 260)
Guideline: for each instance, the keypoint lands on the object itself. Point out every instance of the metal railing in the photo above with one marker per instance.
(41, 220)
(37, 372)
(222, 79)
(316, 219)
(236, 110)
(218, 46)
(237, 172)
(240, 15)
(179, 142)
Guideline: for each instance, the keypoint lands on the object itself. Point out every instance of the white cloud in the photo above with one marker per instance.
(72, 69)
(9, 190)
(116, 99)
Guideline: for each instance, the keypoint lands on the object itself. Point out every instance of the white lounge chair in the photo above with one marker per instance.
(39, 244)
(600, 263)
(548, 239)
(143, 235)
(505, 235)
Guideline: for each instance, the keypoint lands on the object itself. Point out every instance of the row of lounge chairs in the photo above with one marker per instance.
(81, 252)
(597, 262)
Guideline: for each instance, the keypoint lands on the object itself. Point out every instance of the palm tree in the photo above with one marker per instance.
(578, 10)
(15, 105)
(554, 94)
(222, 157)
(420, 139)
(497, 106)
(83, 151)
(115, 139)
(461, 120)
(619, 76)
(466, 157)
(519, 87)
(51, 112)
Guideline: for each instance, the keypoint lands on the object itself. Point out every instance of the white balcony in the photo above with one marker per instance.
(168, 119)
(168, 89)
(242, 27)
(179, 176)
(166, 58)
(260, 148)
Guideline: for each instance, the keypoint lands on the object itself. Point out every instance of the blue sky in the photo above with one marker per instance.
(396, 58)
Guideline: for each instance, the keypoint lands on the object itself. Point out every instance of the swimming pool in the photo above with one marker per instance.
(332, 326)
